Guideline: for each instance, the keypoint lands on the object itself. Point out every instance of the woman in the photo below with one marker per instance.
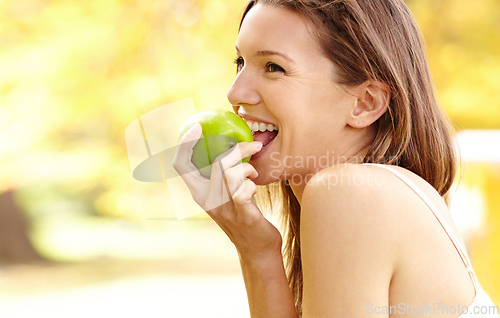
(336, 85)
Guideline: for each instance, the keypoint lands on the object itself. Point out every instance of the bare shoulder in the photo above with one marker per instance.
(362, 230)
(366, 184)
(367, 194)
(363, 185)
(366, 188)
(356, 195)
(350, 198)
(350, 238)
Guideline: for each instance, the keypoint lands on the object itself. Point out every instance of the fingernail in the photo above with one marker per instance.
(257, 144)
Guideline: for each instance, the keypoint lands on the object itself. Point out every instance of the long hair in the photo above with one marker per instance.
(374, 40)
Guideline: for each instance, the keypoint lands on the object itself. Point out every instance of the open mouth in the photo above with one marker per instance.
(263, 132)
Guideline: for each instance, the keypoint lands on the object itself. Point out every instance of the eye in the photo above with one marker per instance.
(239, 64)
(273, 68)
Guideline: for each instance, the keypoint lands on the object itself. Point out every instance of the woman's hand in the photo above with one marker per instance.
(227, 195)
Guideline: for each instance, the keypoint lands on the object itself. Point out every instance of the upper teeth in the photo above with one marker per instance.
(256, 126)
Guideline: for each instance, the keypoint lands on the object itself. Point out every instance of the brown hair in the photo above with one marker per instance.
(377, 40)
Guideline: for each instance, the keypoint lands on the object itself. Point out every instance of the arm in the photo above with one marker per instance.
(348, 244)
(267, 286)
(227, 198)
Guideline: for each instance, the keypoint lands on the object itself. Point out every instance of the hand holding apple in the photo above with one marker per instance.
(227, 195)
(221, 131)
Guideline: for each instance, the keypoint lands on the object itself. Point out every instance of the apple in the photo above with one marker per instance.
(221, 131)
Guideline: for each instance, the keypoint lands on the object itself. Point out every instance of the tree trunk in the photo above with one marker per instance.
(15, 245)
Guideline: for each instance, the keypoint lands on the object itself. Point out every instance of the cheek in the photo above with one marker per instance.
(298, 143)
(313, 138)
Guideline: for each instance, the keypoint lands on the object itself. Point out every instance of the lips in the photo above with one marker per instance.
(262, 131)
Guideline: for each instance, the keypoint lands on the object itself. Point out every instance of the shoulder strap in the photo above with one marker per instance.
(461, 250)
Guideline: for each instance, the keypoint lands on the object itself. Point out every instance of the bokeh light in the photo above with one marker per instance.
(75, 74)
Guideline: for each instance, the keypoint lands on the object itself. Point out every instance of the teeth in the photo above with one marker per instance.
(255, 126)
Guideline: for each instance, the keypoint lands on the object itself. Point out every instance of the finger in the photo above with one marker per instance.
(225, 161)
(194, 180)
(223, 183)
(182, 161)
(236, 175)
(220, 190)
(218, 193)
(234, 155)
(242, 198)
(249, 171)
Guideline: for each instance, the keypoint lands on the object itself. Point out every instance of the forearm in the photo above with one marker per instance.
(267, 287)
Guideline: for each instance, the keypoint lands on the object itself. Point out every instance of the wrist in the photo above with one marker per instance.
(261, 260)
(261, 253)
(268, 290)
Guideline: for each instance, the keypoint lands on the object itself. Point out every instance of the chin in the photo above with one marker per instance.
(262, 181)
(267, 174)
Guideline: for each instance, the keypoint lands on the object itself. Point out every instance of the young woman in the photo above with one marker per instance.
(348, 129)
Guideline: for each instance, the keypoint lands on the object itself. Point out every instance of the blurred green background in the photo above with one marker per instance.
(79, 235)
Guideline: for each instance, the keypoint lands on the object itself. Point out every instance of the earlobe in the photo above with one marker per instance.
(372, 102)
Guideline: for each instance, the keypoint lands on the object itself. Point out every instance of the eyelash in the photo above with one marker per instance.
(270, 67)
(239, 63)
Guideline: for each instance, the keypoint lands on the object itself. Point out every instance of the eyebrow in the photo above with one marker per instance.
(270, 53)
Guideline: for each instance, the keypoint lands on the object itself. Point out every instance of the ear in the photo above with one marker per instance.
(372, 101)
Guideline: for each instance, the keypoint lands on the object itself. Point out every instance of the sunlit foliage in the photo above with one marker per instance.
(74, 74)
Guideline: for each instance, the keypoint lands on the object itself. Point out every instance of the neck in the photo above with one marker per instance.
(355, 157)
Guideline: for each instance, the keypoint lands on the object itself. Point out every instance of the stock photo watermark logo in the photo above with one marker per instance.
(152, 143)
(430, 309)
(283, 167)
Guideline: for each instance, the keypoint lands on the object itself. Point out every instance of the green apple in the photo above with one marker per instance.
(221, 131)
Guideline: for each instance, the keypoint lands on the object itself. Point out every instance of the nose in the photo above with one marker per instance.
(243, 92)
